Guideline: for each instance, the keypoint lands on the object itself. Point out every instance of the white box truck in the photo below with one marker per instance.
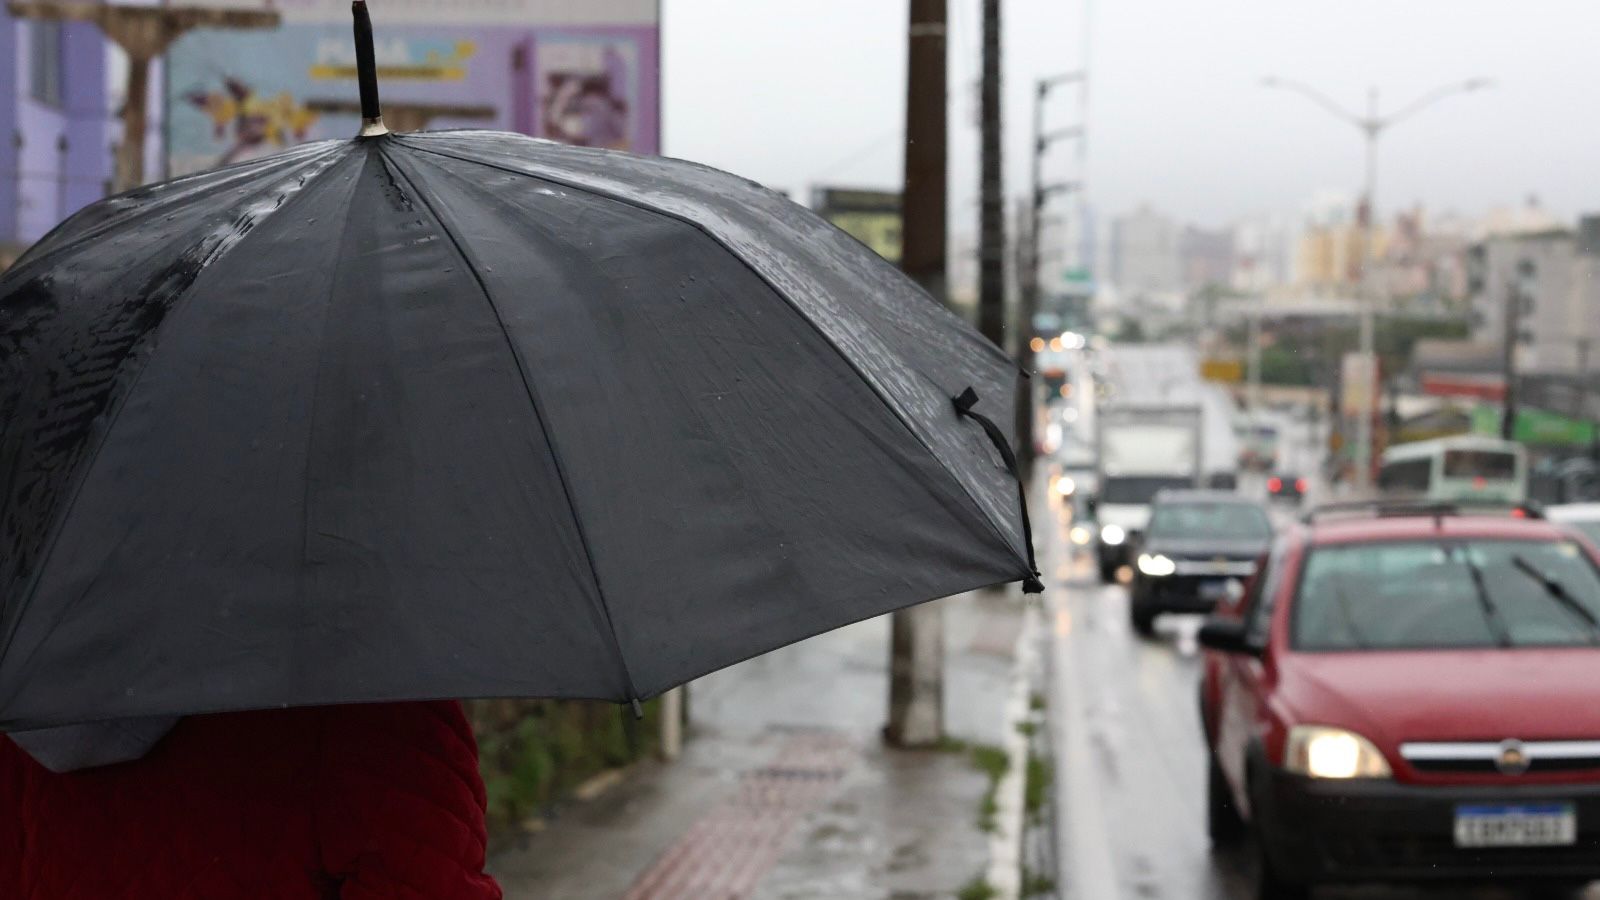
(1142, 450)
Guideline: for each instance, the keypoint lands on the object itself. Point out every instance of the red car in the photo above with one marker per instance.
(1409, 694)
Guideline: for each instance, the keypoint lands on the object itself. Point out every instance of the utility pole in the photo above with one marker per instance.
(144, 33)
(991, 215)
(1508, 360)
(1373, 125)
(1030, 254)
(916, 651)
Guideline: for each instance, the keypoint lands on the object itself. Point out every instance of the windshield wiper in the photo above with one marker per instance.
(1491, 613)
(1560, 594)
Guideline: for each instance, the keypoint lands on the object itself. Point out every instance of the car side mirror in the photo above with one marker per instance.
(1228, 636)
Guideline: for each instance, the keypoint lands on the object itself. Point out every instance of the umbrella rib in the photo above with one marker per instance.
(994, 527)
(538, 414)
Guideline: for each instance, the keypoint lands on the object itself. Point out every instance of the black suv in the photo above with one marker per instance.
(1196, 543)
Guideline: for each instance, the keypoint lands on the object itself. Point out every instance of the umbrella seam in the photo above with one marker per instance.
(538, 414)
(76, 490)
(876, 391)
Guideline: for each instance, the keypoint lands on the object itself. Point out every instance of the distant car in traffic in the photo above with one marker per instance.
(1583, 518)
(1286, 486)
(1407, 693)
(1195, 543)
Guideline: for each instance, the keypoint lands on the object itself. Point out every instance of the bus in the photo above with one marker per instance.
(1465, 467)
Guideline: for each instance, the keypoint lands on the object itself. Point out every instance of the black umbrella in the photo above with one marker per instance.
(464, 415)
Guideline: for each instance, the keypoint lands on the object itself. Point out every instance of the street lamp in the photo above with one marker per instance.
(1372, 125)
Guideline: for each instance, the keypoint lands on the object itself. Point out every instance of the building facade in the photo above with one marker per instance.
(55, 126)
(1146, 254)
(1542, 285)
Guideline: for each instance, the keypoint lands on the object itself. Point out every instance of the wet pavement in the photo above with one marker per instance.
(1127, 735)
(785, 791)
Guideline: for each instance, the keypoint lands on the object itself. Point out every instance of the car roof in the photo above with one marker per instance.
(1573, 512)
(1359, 529)
(1202, 496)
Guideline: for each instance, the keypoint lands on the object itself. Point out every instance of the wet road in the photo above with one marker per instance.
(1130, 814)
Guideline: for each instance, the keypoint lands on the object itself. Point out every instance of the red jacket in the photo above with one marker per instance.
(353, 802)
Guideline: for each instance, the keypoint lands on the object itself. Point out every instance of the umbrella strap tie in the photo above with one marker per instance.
(964, 406)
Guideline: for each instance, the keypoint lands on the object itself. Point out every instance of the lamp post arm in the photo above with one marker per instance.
(1317, 97)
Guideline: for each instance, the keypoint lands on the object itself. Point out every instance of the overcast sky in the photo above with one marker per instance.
(794, 94)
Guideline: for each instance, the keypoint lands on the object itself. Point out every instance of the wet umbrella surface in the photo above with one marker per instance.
(468, 414)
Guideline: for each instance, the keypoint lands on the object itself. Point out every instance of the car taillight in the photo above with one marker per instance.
(1274, 484)
(1519, 513)
(1300, 485)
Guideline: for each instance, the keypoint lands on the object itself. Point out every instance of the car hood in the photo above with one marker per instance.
(1205, 548)
(1454, 695)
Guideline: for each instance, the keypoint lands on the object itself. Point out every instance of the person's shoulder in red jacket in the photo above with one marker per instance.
(364, 801)
(402, 803)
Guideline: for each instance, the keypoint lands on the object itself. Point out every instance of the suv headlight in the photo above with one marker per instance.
(1113, 535)
(1322, 752)
(1156, 565)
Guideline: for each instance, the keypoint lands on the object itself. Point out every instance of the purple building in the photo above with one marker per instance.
(56, 126)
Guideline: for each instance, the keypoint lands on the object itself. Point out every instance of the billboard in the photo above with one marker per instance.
(580, 72)
(871, 217)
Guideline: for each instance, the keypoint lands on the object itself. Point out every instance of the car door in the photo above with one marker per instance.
(1242, 677)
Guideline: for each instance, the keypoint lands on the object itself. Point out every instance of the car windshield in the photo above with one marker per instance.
(1139, 489)
(1220, 521)
(1440, 594)
(1492, 464)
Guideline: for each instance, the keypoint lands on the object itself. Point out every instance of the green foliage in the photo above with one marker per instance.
(533, 753)
(1027, 728)
(1035, 884)
(977, 889)
(991, 761)
(1037, 788)
(1036, 702)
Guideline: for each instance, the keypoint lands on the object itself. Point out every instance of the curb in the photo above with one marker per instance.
(1005, 844)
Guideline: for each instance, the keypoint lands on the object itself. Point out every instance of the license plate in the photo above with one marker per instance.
(1516, 825)
(1213, 590)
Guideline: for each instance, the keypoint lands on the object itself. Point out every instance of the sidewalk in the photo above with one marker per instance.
(785, 790)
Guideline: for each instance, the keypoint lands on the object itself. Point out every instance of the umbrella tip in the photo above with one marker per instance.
(638, 711)
(367, 72)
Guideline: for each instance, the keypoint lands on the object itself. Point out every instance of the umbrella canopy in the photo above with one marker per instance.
(469, 414)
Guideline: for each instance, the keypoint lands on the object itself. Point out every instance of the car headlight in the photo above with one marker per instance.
(1156, 565)
(1322, 752)
(1113, 535)
(1080, 535)
(1065, 486)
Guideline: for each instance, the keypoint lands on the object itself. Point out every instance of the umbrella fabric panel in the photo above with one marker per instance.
(363, 508)
(739, 485)
(74, 336)
(914, 353)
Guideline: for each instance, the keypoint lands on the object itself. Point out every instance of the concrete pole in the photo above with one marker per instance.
(1368, 299)
(672, 724)
(1508, 360)
(128, 172)
(991, 213)
(1254, 359)
(916, 651)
